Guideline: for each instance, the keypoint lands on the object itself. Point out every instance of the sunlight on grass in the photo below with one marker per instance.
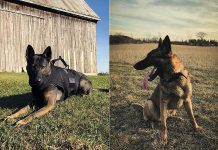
(74, 124)
(129, 130)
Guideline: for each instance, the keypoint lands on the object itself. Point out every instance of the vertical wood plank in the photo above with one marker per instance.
(72, 38)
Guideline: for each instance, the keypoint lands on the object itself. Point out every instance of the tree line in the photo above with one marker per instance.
(200, 41)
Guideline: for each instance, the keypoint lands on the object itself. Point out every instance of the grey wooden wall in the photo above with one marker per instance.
(73, 39)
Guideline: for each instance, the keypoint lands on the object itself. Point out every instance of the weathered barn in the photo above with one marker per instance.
(68, 26)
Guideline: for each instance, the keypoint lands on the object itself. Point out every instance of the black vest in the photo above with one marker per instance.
(66, 80)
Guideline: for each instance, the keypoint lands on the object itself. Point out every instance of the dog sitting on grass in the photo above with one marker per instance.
(173, 90)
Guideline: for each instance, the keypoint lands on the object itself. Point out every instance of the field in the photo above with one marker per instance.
(76, 123)
(129, 130)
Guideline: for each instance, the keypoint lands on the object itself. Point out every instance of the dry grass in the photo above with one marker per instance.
(193, 56)
(130, 131)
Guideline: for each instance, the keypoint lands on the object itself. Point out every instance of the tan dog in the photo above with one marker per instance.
(173, 90)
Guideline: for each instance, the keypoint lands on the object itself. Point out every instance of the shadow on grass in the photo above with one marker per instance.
(126, 122)
(124, 116)
(15, 101)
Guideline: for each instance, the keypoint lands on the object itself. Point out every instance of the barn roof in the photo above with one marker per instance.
(77, 8)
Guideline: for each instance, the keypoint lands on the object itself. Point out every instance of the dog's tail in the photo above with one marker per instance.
(102, 90)
(137, 106)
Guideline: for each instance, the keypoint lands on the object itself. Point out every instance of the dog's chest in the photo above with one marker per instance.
(172, 88)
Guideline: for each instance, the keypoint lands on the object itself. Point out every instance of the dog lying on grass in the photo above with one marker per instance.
(49, 84)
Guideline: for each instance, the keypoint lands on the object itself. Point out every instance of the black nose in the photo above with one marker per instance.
(38, 80)
(137, 66)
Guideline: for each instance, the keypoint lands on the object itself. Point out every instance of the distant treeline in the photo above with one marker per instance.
(123, 39)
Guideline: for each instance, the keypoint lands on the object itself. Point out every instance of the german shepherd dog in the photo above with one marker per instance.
(39, 68)
(173, 90)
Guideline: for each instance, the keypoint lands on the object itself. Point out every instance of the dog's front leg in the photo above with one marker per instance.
(36, 114)
(188, 108)
(18, 113)
(163, 118)
(50, 96)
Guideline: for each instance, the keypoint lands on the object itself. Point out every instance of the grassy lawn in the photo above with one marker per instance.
(75, 123)
(128, 129)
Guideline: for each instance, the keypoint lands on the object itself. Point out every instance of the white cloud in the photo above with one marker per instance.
(174, 17)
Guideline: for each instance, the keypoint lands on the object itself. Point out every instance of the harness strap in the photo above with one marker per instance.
(174, 77)
(62, 60)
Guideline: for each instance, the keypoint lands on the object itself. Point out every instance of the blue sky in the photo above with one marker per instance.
(181, 19)
(101, 8)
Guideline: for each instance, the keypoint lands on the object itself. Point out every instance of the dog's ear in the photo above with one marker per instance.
(47, 53)
(29, 52)
(160, 42)
(166, 46)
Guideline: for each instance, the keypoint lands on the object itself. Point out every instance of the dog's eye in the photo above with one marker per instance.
(43, 67)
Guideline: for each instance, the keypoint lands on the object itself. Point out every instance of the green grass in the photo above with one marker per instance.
(74, 123)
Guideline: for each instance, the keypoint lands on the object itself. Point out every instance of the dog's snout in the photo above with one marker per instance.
(38, 80)
(135, 66)
(140, 65)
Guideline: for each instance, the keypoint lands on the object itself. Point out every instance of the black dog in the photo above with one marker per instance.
(49, 84)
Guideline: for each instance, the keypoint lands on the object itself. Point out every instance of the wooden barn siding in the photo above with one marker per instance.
(71, 38)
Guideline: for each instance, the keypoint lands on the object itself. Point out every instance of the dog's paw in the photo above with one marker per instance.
(198, 128)
(8, 118)
(20, 123)
(163, 139)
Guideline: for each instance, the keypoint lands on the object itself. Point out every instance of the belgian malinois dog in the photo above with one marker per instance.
(49, 84)
(173, 90)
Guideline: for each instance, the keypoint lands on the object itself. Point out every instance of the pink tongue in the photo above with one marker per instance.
(145, 83)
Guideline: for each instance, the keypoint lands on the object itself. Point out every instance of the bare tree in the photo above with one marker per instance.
(154, 39)
(201, 35)
(148, 37)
